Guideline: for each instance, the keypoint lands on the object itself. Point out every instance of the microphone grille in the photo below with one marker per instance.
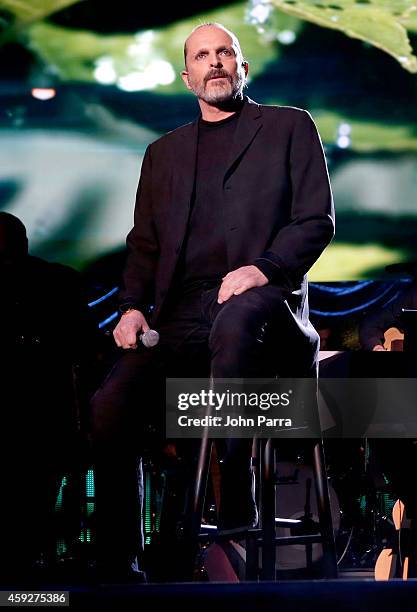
(150, 338)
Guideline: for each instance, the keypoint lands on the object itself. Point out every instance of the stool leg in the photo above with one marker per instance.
(197, 496)
(325, 516)
(268, 512)
(200, 484)
(252, 549)
(252, 556)
(194, 507)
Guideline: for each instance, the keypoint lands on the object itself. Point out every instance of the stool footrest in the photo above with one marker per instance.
(290, 540)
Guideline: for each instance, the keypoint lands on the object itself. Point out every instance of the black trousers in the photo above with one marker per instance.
(198, 336)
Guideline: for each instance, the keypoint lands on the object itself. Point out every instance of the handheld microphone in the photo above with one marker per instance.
(150, 338)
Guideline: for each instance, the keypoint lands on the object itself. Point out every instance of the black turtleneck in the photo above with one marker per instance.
(204, 255)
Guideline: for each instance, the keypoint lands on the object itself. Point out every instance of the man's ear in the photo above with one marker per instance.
(184, 76)
(245, 67)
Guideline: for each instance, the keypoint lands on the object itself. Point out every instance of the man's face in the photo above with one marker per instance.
(215, 70)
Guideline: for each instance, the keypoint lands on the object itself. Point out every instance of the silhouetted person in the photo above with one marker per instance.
(395, 456)
(45, 330)
(374, 326)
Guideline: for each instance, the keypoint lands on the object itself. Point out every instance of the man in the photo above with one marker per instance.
(232, 210)
(391, 455)
(374, 326)
(39, 436)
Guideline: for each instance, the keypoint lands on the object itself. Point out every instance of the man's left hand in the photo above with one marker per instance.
(240, 280)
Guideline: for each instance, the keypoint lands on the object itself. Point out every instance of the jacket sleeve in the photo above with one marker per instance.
(142, 246)
(299, 244)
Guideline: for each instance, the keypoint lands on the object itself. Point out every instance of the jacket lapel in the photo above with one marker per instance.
(185, 164)
(248, 125)
(183, 181)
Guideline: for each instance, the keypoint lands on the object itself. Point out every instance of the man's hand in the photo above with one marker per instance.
(378, 347)
(240, 280)
(130, 324)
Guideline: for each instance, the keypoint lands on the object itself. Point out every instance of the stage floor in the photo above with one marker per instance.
(343, 595)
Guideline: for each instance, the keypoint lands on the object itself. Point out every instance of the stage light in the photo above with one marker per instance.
(286, 37)
(259, 13)
(343, 142)
(104, 72)
(43, 93)
(136, 81)
(164, 71)
(145, 37)
(142, 46)
(158, 72)
(344, 129)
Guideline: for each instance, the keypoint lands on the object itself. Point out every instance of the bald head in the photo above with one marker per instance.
(233, 38)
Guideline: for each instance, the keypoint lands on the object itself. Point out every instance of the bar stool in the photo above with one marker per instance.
(265, 537)
(270, 518)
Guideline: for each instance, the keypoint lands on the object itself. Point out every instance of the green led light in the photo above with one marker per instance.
(388, 502)
(61, 548)
(89, 483)
(59, 499)
(147, 514)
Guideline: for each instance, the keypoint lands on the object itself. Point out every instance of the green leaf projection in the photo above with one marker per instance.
(149, 59)
(350, 63)
(27, 11)
(382, 23)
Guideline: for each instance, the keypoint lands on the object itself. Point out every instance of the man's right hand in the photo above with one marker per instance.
(126, 331)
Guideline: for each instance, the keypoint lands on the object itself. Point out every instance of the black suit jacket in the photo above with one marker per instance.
(278, 205)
